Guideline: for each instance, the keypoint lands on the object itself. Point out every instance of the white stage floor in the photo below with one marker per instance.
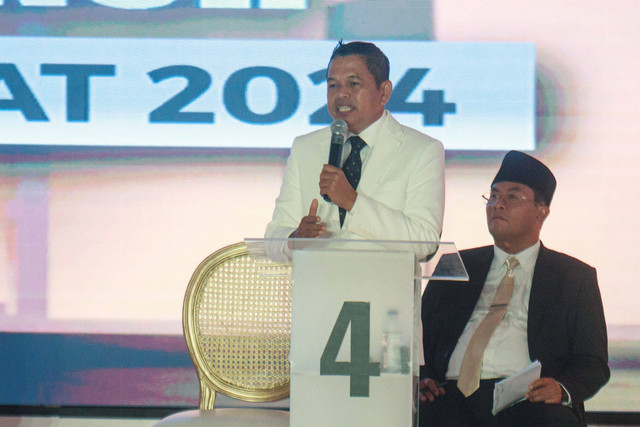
(54, 421)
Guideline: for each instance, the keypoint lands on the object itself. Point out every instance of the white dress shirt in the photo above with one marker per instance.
(369, 135)
(508, 349)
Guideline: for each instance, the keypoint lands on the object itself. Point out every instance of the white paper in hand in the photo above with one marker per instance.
(511, 390)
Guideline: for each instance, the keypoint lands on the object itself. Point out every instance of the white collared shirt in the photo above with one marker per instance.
(370, 135)
(508, 349)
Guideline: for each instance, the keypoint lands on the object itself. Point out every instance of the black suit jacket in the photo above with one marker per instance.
(566, 327)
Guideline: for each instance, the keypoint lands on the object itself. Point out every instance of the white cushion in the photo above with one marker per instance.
(227, 417)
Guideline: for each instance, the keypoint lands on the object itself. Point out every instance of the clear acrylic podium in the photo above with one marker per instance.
(342, 292)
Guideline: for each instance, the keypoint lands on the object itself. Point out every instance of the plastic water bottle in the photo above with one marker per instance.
(392, 343)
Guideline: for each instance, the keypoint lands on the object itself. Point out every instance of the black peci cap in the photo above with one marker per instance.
(524, 169)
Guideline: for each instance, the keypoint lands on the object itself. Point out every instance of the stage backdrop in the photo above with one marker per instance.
(137, 137)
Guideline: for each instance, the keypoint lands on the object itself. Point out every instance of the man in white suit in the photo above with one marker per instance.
(400, 195)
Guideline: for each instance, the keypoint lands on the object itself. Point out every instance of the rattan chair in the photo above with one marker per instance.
(237, 324)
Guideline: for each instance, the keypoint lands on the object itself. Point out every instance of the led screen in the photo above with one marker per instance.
(137, 137)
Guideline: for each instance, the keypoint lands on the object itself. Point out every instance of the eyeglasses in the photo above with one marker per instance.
(510, 199)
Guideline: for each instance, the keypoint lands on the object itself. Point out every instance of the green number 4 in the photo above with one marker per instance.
(359, 369)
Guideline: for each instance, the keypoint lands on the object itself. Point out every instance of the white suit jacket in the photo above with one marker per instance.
(400, 194)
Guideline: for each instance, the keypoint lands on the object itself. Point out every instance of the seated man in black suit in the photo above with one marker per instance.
(523, 302)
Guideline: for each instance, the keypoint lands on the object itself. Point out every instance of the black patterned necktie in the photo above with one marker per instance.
(353, 167)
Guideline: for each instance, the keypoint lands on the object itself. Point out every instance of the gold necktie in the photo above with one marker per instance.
(469, 378)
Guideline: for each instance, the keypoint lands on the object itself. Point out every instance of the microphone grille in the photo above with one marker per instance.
(339, 126)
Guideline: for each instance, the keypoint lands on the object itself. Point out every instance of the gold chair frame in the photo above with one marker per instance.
(237, 325)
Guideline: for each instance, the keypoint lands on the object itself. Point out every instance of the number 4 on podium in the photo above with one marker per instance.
(359, 369)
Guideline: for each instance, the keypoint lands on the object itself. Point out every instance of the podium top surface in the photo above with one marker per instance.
(443, 261)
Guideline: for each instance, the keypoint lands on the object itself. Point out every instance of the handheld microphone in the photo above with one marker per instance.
(339, 130)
